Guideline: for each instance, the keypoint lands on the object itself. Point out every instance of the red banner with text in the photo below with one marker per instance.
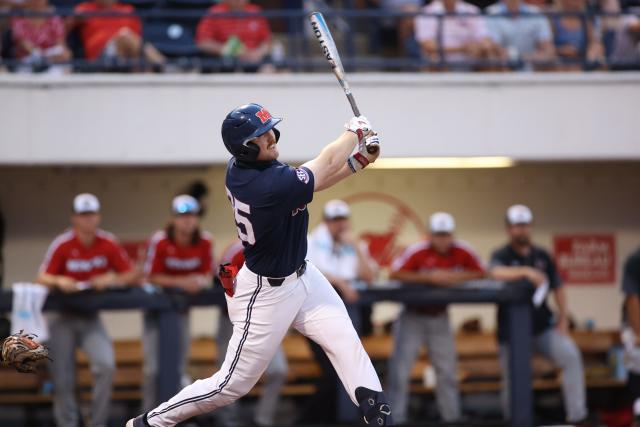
(586, 258)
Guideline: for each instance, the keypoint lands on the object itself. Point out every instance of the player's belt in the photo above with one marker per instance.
(278, 281)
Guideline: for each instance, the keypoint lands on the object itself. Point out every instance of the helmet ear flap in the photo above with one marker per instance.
(277, 132)
(249, 152)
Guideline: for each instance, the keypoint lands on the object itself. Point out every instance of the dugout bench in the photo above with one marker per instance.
(515, 296)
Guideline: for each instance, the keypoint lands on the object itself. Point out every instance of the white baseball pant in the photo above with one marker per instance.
(261, 315)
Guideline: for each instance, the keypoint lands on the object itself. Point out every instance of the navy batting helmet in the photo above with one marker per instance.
(243, 125)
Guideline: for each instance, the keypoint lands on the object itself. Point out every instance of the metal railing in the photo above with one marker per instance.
(362, 39)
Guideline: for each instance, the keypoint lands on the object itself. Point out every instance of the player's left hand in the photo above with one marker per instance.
(371, 147)
(359, 125)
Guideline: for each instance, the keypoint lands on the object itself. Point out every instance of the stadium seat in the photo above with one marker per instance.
(173, 39)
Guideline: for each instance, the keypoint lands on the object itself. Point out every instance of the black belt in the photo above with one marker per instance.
(278, 281)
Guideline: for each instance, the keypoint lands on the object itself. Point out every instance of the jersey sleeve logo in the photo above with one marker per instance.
(302, 175)
(263, 115)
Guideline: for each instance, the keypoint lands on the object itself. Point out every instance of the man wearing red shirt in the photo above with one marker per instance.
(111, 37)
(179, 258)
(243, 38)
(276, 373)
(83, 258)
(440, 261)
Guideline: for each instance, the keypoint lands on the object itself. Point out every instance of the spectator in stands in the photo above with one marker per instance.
(39, 40)
(403, 24)
(521, 260)
(276, 373)
(525, 39)
(179, 259)
(83, 258)
(631, 327)
(626, 53)
(464, 38)
(575, 37)
(112, 38)
(440, 261)
(240, 41)
(343, 260)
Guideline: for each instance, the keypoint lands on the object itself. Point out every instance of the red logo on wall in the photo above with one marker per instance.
(397, 223)
(263, 115)
(586, 258)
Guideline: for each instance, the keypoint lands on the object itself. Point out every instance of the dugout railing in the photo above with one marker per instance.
(515, 297)
(363, 37)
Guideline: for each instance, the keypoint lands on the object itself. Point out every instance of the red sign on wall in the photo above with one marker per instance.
(586, 258)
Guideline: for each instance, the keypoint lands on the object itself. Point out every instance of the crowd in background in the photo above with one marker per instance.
(442, 35)
(180, 258)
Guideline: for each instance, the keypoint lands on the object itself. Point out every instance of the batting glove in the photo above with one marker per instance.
(367, 153)
(360, 126)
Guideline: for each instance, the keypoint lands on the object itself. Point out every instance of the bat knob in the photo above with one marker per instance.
(372, 148)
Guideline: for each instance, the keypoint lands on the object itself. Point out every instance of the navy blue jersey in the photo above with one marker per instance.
(537, 258)
(269, 201)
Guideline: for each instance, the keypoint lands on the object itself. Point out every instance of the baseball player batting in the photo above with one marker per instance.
(277, 288)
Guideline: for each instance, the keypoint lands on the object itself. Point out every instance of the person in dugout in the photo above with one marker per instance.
(179, 259)
(83, 259)
(438, 261)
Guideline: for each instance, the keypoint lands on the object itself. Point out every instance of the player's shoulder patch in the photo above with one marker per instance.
(303, 175)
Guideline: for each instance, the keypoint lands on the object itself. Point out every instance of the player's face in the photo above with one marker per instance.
(268, 146)
(337, 227)
(86, 222)
(520, 234)
(441, 242)
(185, 223)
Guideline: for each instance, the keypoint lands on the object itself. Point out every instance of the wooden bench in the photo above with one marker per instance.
(479, 369)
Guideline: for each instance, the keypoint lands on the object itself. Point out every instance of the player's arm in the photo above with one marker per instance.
(331, 164)
(632, 307)
(367, 267)
(54, 281)
(560, 297)
(113, 278)
(436, 277)
(335, 162)
(189, 282)
(510, 274)
(631, 289)
(51, 270)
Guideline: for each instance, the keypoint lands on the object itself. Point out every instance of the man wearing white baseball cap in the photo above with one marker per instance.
(83, 258)
(518, 260)
(343, 259)
(439, 261)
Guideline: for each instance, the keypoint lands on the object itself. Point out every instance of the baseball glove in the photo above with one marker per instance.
(22, 352)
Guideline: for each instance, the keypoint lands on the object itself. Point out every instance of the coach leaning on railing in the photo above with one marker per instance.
(83, 257)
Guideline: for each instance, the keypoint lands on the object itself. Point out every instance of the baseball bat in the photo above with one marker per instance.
(330, 52)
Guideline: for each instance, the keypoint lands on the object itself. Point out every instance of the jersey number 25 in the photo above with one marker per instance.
(240, 212)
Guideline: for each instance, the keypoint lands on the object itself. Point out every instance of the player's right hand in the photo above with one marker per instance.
(66, 284)
(367, 152)
(359, 125)
(536, 277)
(371, 147)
